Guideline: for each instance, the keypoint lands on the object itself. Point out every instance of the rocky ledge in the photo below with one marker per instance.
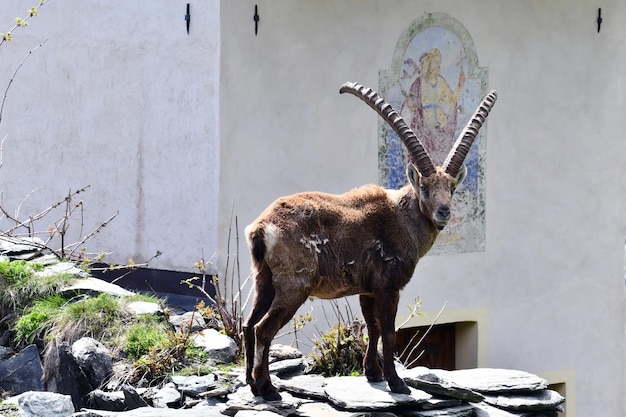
(434, 393)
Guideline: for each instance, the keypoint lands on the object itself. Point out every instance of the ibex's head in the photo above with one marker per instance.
(433, 185)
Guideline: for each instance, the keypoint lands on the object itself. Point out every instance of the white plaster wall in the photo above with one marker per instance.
(120, 98)
(551, 279)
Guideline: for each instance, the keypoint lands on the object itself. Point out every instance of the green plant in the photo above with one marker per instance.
(20, 287)
(226, 299)
(36, 319)
(163, 359)
(143, 336)
(341, 350)
(17, 271)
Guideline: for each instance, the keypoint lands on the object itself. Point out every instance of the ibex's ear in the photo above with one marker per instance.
(461, 176)
(413, 175)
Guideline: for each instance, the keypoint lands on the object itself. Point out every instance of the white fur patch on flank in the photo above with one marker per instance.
(271, 236)
(313, 242)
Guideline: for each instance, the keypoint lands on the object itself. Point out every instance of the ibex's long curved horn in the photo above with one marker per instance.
(417, 152)
(458, 153)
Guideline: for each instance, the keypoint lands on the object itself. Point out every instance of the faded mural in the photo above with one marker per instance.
(435, 83)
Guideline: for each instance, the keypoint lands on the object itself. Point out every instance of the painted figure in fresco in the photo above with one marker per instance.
(430, 106)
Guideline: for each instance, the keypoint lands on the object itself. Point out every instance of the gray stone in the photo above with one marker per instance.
(254, 413)
(67, 376)
(156, 412)
(217, 345)
(132, 398)
(307, 385)
(45, 404)
(464, 410)
(16, 247)
(196, 385)
(166, 397)
(280, 352)
(485, 410)
(437, 382)
(94, 358)
(22, 372)
(62, 268)
(6, 352)
(242, 399)
(356, 393)
(486, 380)
(287, 366)
(137, 308)
(110, 401)
(182, 322)
(99, 286)
(531, 401)
(317, 409)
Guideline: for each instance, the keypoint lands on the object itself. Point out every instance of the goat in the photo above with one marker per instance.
(366, 241)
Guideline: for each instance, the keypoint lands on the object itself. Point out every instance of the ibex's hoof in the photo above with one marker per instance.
(272, 396)
(399, 387)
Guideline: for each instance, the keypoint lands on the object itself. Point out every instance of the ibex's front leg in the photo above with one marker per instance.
(386, 306)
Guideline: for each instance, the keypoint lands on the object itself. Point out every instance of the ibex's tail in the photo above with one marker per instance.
(256, 241)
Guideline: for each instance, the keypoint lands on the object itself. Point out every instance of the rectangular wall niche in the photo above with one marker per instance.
(447, 346)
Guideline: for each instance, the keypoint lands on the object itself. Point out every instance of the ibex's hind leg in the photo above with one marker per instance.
(282, 310)
(263, 297)
(371, 366)
(386, 307)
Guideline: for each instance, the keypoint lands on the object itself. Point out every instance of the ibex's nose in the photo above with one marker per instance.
(443, 212)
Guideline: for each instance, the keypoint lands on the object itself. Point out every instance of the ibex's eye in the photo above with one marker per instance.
(424, 190)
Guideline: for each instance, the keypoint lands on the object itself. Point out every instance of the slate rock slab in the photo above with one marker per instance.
(45, 404)
(280, 352)
(307, 385)
(196, 385)
(437, 382)
(66, 268)
(531, 401)
(109, 401)
(287, 366)
(167, 397)
(10, 245)
(99, 286)
(217, 345)
(22, 372)
(182, 322)
(242, 399)
(490, 380)
(485, 410)
(464, 410)
(357, 393)
(198, 411)
(137, 308)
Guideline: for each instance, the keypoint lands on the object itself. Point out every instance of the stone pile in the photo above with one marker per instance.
(81, 385)
(434, 393)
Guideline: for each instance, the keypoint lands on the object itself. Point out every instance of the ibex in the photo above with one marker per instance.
(366, 241)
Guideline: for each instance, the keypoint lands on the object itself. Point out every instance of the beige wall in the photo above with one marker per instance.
(551, 279)
(120, 98)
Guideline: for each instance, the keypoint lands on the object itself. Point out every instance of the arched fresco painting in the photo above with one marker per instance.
(436, 84)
